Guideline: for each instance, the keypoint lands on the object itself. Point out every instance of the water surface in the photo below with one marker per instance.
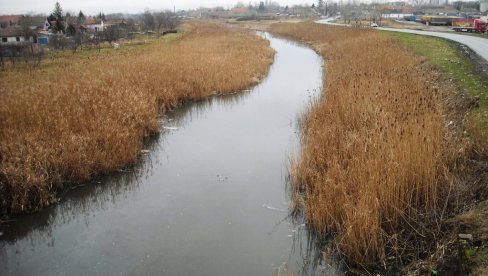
(208, 199)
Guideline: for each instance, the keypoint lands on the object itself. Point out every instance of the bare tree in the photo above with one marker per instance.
(113, 33)
(72, 25)
(332, 9)
(321, 6)
(171, 20)
(32, 54)
(57, 42)
(82, 38)
(26, 24)
(29, 51)
(130, 25)
(159, 20)
(346, 12)
(148, 20)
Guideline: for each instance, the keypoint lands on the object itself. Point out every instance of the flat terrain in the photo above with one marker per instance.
(391, 149)
(84, 114)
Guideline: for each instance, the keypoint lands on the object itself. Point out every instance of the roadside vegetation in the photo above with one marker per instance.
(462, 70)
(458, 68)
(79, 116)
(385, 160)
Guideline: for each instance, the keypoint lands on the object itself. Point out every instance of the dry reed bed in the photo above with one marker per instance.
(372, 170)
(88, 116)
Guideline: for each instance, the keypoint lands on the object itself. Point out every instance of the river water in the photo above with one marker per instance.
(207, 198)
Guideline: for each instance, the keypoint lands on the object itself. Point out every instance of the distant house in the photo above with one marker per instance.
(94, 24)
(13, 35)
(10, 20)
(110, 24)
(39, 23)
(194, 14)
(300, 11)
(241, 12)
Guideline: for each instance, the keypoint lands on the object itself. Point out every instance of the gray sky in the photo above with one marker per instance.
(92, 7)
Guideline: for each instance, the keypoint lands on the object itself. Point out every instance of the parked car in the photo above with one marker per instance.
(374, 25)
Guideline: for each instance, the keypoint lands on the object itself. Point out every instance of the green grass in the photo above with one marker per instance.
(477, 258)
(139, 43)
(469, 252)
(445, 55)
(483, 257)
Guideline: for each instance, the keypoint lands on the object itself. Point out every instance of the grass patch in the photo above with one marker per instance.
(137, 45)
(445, 55)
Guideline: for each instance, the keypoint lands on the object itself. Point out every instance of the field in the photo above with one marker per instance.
(383, 160)
(81, 115)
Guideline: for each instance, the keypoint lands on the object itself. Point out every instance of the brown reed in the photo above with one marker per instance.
(79, 117)
(371, 172)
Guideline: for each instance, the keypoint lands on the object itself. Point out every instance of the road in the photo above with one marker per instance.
(477, 44)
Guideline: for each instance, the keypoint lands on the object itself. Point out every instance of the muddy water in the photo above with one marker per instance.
(209, 197)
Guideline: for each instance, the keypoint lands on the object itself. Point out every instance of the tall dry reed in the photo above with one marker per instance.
(69, 121)
(371, 169)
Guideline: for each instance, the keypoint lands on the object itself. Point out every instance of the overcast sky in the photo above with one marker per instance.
(92, 7)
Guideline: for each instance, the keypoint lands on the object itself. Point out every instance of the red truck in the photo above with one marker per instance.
(469, 25)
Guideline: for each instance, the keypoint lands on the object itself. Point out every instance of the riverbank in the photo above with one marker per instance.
(385, 159)
(467, 72)
(69, 121)
(211, 181)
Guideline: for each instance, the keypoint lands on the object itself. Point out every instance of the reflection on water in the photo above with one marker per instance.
(318, 255)
(183, 115)
(76, 203)
(81, 200)
(207, 196)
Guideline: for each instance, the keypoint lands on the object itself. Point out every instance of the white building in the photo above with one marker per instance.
(94, 24)
(13, 35)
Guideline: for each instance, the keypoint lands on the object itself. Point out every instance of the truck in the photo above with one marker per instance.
(469, 25)
(409, 17)
(438, 20)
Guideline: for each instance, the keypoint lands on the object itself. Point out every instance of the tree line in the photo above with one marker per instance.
(69, 31)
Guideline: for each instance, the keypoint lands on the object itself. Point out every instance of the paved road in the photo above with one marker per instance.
(477, 44)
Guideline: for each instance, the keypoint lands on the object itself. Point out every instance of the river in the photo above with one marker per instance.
(208, 196)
